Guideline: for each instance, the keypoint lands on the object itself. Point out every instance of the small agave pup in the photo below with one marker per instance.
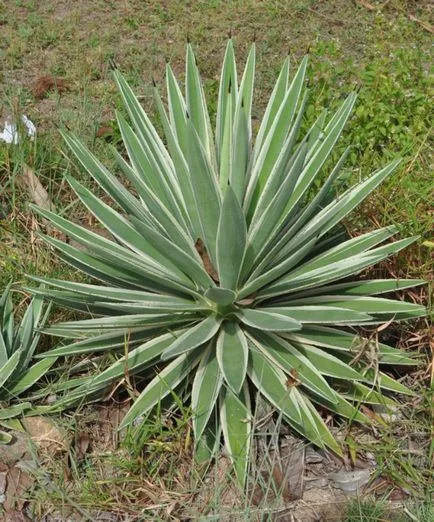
(259, 304)
(17, 346)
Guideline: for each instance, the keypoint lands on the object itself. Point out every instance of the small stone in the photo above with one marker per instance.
(3, 482)
(371, 457)
(312, 456)
(387, 413)
(362, 464)
(350, 481)
(15, 450)
(316, 482)
(51, 399)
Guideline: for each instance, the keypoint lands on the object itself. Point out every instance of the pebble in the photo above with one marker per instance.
(320, 482)
(312, 456)
(389, 413)
(350, 481)
(2, 486)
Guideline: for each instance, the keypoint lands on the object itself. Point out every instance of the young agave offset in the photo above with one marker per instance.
(221, 268)
(17, 346)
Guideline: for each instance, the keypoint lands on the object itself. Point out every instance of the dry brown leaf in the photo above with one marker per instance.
(293, 379)
(82, 444)
(30, 182)
(200, 247)
(424, 25)
(17, 483)
(292, 465)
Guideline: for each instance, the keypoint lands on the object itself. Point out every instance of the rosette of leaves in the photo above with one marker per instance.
(224, 270)
(18, 370)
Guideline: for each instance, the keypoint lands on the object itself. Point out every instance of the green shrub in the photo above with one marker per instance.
(222, 272)
(17, 346)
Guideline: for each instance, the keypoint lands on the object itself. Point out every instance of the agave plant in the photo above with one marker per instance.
(17, 346)
(224, 270)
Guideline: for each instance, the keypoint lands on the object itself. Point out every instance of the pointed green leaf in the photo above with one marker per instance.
(270, 380)
(103, 177)
(293, 362)
(328, 364)
(181, 167)
(206, 190)
(365, 305)
(320, 314)
(9, 367)
(384, 381)
(196, 105)
(264, 320)
(276, 99)
(5, 438)
(185, 262)
(232, 355)
(228, 90)
(208, 444)
(235, 417)
(206, 387)
(231, 241)
(240, 153)
(133, 361)
(161, 385)
(245, 92)
(177, 109)
(343, 408)
(14, 411)
(363, 288)
(313, 427)
(31, 376)
(275, 138)
(323, 151)
(149, 138)
(226, 152)
(195, 336)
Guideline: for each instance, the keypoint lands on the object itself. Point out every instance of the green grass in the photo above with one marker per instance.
(366, 511)
(371, 510)
(382, 53)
